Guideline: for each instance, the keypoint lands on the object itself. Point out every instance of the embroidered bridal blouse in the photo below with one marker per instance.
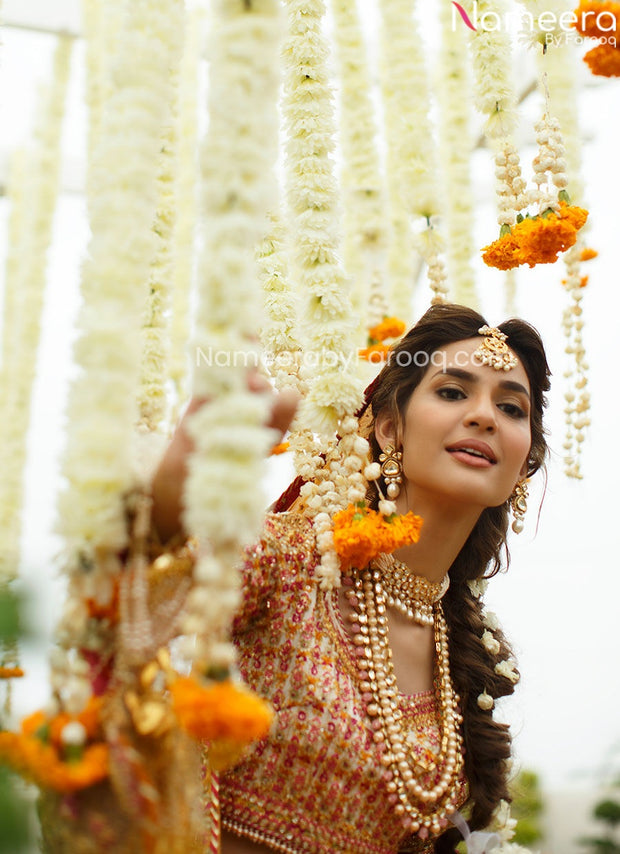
(316, 784)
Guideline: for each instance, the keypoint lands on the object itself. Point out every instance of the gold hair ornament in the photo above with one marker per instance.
(518, 504)
(494, 351)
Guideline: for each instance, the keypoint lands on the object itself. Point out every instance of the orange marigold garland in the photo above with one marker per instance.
(604, 59)
(377, 350)
(11, 672)
(224, 714)
(47, 752)
(360, 534)
(538, 239)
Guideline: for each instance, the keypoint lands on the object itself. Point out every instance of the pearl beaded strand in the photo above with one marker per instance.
(423, 809)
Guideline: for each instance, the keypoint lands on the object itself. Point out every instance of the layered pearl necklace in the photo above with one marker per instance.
(412, 595)
(424, 808)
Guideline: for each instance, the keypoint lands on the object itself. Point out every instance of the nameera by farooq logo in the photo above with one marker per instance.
(464, 15)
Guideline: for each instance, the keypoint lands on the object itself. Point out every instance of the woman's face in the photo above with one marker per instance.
(466, 433)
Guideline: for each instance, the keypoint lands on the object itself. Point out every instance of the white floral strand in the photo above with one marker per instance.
(416, 158)
(335, 389)
(281, 346)
(31, 226)
(491, 52)
(577, 395)
(365, 237)
(456, 147)
(560, 67)
(397, 53)
(93, 24)
(187, 208)
(223, 507)
(102, 404)
(152, 392)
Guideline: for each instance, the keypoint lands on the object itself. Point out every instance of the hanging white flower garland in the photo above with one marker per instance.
(31, 227)
(187, 208)
(152, 391)
(223, 507)
(334, 386)
(281, 347)
(559, 65)
(456, 148)
(102, 411)
(412, 164)
(365, 237)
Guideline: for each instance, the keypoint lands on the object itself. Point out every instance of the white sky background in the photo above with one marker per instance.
(559, 602)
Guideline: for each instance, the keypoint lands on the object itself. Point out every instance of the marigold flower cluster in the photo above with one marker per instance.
(11, 672)
(604, 59)
(377, 350)
(221, 711)
(536, 240)
(42, 753)
(360, 534)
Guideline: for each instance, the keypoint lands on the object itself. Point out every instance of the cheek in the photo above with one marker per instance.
(521, 445)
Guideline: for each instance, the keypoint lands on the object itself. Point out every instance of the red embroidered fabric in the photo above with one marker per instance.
(316, 785)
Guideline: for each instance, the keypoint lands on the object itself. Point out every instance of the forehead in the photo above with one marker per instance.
(460, 354)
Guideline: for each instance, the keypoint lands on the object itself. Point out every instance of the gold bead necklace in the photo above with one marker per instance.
(411, 595)
(423, 808)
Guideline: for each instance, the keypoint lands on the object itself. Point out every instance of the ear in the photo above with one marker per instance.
(386, 431)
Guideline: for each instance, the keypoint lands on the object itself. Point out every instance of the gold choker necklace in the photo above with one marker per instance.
(411, 595)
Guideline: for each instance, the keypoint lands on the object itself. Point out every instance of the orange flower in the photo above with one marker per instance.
(11, 672)
(588, 253)
(360, 534)
(537, 240)
(503, 253)
(280, 448)
(375, 353)
(109, 611)
(390, 327)
(575, 215)
(588, 19)
(542, 238)
(89, 718)
(604, 60)
(40, 763)
(220, 711)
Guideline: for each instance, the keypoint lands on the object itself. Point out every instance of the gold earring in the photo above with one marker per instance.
(518, 504)
(392, 470)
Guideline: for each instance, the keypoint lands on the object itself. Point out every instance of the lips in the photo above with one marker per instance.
(473, 451)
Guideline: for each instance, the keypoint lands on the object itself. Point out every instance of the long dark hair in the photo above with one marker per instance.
(486, 742)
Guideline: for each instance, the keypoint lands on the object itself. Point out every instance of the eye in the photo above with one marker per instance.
(513, 410)
(451, 393)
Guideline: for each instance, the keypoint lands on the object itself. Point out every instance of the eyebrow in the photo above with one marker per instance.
(459, 373)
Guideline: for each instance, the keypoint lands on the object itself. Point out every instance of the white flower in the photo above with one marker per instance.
(506, 669)
(73, 733)
(372, 471)
(490, 643)
(386, 508)
(478, 587)
(490, 620)
(502, 822)
(485, 701)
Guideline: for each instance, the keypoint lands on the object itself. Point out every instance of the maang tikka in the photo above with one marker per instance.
(392, 470)
(518, 504)
(493, 351)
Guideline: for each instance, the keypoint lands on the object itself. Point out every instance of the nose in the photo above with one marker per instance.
(482, 414)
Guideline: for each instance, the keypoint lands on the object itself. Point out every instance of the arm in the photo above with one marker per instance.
(169, 481)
